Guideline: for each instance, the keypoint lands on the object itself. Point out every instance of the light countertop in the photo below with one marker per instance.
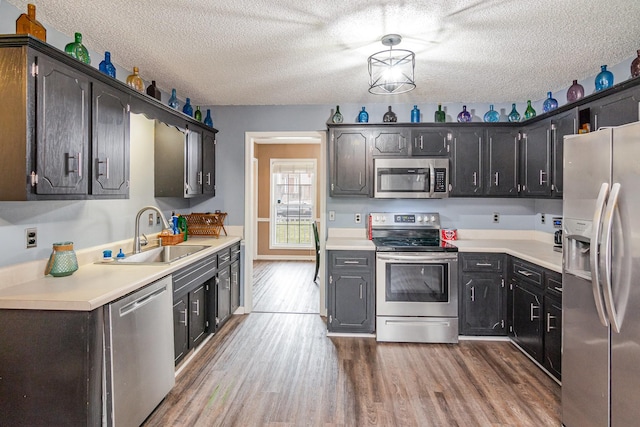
(96, 284)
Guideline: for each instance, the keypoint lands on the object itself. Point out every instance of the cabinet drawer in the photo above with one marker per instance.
(224, 258)
(482, 262)
(235, 252)
(553, 283)
(352, 259)
(527, 272)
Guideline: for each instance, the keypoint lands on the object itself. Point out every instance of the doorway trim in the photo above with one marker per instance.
(250, 211)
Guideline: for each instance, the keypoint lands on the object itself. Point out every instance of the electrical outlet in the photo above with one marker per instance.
(150, 219)
(31, 236)
(543, 218)
(496, 217)
(332, 215)
(358, 218)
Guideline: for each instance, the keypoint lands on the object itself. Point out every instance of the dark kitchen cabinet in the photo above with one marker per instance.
(350, 163)
(616, 109)
(553, 335)
(197, 316)
(209, 163)
(390, 142)
(563, 124)
(467, 162)
(502, 162)
(192, 163)
(351, 292)
(180, 328)
(535, 157)
(223, 288)
(431, 142)
(483, 294)
(235, 277)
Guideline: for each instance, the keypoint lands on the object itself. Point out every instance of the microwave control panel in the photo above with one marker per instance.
(440, 186)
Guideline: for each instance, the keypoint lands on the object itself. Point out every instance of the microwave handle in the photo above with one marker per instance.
(432, 180)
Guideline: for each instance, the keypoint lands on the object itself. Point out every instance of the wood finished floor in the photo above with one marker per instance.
(285, 287)
(280, 369)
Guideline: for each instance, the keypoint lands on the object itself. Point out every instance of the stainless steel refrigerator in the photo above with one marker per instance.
(601, 278)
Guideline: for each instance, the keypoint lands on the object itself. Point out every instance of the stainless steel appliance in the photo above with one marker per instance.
(601, 278)
(414, 178)
(416, 279)
(139, 369)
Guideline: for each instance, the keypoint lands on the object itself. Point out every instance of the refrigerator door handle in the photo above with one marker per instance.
(608, 289)
(594, 254)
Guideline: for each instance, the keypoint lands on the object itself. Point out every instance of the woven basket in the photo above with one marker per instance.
(206, 224)
(172, 239)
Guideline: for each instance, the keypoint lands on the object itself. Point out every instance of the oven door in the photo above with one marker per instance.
(417, 284)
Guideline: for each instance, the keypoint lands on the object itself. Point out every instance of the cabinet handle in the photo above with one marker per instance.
(360, 178)
(209, 178)
(525, 273)
(351, 262)
(575, 125)
(34, 178)
(595, 122)
(186, 317)
(228, 282)
(106, 171)
(542, 174)
(483, 264)
(496, 181)
(557, 289)
(473, 293)
(200, 177)
(79, 170)
(534, 307)
(475, 179)
(197, 311)
(421, 143)
(549, 318)
(235, 277)
(360, 290)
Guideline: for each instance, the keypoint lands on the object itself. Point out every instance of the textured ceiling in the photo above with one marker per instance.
(265, 52)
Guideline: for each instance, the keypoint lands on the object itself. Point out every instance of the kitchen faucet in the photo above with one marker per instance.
(136, 237)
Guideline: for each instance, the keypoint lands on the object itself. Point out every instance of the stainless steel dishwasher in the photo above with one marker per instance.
(139, 369)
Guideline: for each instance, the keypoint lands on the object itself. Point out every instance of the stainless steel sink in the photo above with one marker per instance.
(161, 255)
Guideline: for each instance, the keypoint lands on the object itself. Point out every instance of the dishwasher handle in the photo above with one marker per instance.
(143, 300)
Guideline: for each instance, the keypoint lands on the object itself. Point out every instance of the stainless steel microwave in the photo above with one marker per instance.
(414, 178)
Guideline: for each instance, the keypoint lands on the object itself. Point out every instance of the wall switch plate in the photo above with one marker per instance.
(496, 217)
(332, 215)
(543, 219)
(358, 218)
(157, 219)
(31, 236)
(150, 219)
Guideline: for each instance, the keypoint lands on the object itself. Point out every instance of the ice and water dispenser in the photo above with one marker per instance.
(577, 247)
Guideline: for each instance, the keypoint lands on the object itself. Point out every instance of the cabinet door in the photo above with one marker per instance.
(561, 125)
(527, 319)
(350, 163)
(467, 170)
(502, 155)
(536, 160)
(431, 142)
(193, 164)
(390, 142)
(197, 316)
(615, 110)
(180, 328)
(235, 286)
(482, 304)
(223, 296)
(209, 163)
(110, 141)
(351, 303)
(62, 123)
(553, 336)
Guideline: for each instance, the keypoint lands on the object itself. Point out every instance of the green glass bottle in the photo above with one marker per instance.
(198, 114)
(529, 113)
(439, 116)
(77, 50)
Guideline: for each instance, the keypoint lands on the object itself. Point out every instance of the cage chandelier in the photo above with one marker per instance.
(391, 71)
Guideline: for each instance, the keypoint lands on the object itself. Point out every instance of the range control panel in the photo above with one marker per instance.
(405, 220)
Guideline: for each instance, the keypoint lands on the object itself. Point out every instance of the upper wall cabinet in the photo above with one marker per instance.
(349, 162)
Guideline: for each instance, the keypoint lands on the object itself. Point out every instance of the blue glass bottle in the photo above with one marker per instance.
(208, 120)
(363, 117)
(513, 116)
(491, 116)
(173, 101)
(106, 66)
(464, 115)
(188, 109)
(604, 79)
(415, 115)
(550, 103)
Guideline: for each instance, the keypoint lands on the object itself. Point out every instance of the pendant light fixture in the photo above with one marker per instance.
(391, 71)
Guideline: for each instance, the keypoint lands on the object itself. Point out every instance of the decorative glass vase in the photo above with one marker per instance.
(550, 103)
(389, 116)
(635, 66)
(28, 24)
(153, 91)
(337, 116)
(62, 261)
(208, 120)
(106, 66)
(198, 114)
(415, 115)
(575, 92)
(529, 113)
(188, 109)
(464, 116)
(77, 50)
(604, 79)
(491, 116)
(135, 81)
(363, 116)
(173, 101)
(439, 116)
(513, 116)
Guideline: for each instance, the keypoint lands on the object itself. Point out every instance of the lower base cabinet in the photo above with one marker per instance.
(351, 293)
(527, 319)
(553, 336)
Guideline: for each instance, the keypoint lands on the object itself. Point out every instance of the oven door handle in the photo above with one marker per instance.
(418, 258)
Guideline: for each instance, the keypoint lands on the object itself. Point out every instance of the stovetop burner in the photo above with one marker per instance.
(408, 232)
(391, 244)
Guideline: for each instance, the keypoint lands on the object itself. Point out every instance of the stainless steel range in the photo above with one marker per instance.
(416, 279)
